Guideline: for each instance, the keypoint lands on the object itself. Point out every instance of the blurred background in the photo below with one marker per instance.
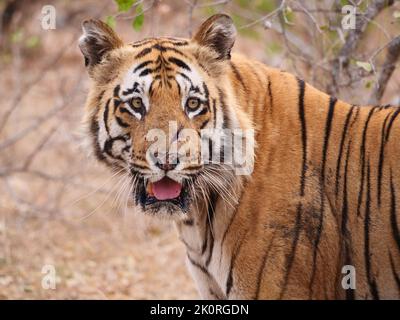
(59, 208)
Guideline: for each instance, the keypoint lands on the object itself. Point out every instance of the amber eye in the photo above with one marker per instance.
(136, 103)
(192, 103)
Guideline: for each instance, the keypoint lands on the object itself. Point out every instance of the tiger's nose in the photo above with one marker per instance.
(167, 166)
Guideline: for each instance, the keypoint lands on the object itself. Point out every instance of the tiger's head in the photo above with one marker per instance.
(148, 105)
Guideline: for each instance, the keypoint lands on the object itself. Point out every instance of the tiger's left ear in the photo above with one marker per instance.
(97, 40)
(218, 33)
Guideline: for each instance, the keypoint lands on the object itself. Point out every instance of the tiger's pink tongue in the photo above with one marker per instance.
(166, 189)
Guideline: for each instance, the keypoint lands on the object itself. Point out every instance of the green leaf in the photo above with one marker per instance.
(265, 5)
(273, 48)
(32, 42)
(137, 23)
(288, 15)
(110, 20)
(124, 5)
(17, 36)
(369, 84)
(364, 65)
(324, 27)
(396, 14)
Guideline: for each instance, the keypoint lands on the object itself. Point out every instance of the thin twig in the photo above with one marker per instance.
(352, 41)
(266, 17)
(393, 54)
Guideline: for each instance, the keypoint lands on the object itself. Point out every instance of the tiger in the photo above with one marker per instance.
(315, 217)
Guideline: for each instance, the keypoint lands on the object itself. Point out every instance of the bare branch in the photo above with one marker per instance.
(352, 41)
(266, 17)
(393, 54)
(40, 120)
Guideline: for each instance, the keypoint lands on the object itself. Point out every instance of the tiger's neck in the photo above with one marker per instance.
(203, 234)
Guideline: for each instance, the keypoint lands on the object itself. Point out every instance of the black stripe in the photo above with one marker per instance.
(395, 114)
(229, 225)
(199, 266)
(143, 53)
(179, 63)
(94, 129)
(131, 90)
(393, 218)
(109, 144)
(203, 125)
(116, 91)
(187, 245)
(145, 72)
(121, 122)
(367, 253)
(303, 134)
(394, 273)
(226, 123)
(214, 112)
(344, 132)
(292, 253)
(203, 111)
(125, 110)
(328, 127)
(362, 151)
(261, 269)
(142, 65)
(105, 115)
(186, 78)
(381, 159)
(175, 41)
(100, 96)
(151, 89)
(229, 279)
(138, 166)
(238, 76)
(344, 231)
(142, 42)
(188, 222)
(205, 238)
(165, 49)
(211, 214)
(117, 102)
(206, 94)
(212, 293)
(126, 148)
(271, 97)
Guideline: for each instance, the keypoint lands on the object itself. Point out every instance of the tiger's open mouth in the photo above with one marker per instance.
(165, 193)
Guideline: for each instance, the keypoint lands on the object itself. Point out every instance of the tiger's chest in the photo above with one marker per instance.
(206, 258)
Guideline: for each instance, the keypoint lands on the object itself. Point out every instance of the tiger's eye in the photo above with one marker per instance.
(193, 103)
(137, 103)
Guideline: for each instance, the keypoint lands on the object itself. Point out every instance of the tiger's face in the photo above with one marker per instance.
(152, 109)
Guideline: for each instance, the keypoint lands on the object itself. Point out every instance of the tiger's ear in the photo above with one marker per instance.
(97, 39)
(218, 33)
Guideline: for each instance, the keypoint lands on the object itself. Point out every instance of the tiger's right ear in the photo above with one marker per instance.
(217, 33)
(97, 39)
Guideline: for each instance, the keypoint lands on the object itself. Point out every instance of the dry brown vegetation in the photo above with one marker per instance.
(59, 207)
